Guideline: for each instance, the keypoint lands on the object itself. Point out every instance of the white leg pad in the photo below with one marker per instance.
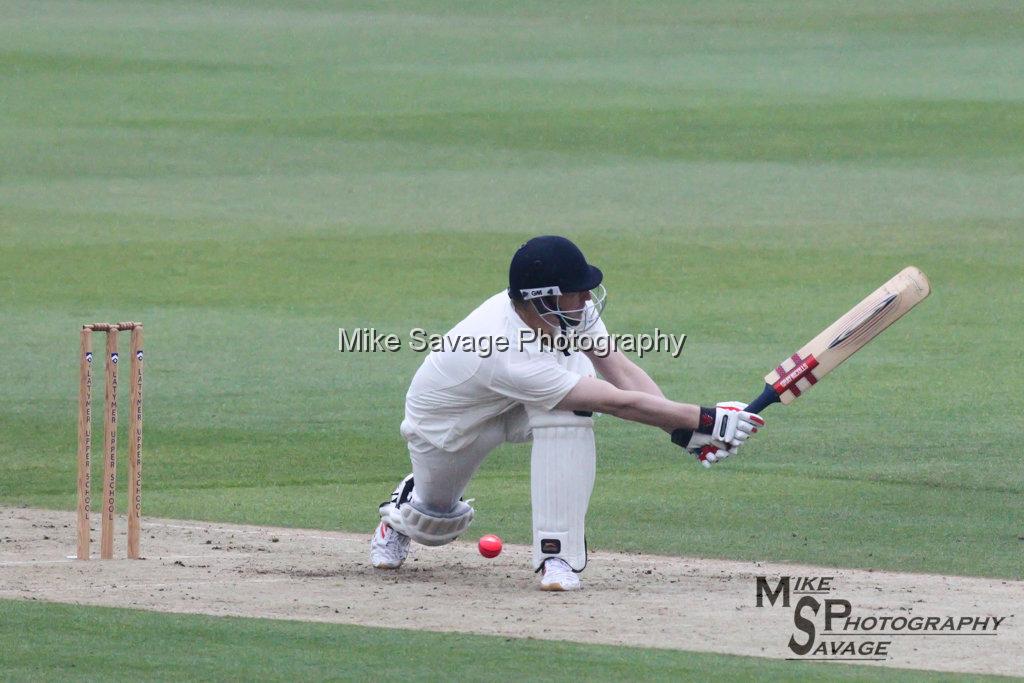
(431, 528)
(562, 469)
(425, 526)
(409, 516)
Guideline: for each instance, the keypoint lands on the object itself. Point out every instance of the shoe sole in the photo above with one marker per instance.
(558, 587)
(385, 565)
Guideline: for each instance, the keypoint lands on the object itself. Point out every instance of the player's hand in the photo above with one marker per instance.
(693, 442)
(704, 447)
(708, 449)
(710, 454)
(729, 423)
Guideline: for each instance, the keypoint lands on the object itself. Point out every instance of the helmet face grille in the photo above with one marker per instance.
(578, 320)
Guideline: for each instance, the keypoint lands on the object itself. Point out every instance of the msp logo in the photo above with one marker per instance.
(88, 357)
(113, 358)
(827, 628)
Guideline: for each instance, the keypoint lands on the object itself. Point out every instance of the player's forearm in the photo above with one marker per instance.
(624, 374)
(656, 411)
(629, 376)
(636, 379)
(601, 396)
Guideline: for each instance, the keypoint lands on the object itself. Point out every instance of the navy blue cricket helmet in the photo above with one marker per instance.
(547, 267)
(552, 264)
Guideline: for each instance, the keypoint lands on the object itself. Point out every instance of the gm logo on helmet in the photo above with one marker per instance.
(540, 291)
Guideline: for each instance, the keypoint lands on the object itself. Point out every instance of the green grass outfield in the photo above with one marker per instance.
(247, 177)
(42, 642)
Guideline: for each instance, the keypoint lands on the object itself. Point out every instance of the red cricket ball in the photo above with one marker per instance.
(489, 545)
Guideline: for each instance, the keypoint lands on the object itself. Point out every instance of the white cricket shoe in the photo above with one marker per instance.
(388, 548)
(557, 575)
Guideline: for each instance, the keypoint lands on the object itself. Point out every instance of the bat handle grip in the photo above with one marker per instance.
(767, 397)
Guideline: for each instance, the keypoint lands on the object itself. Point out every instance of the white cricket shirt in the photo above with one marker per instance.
(456, 391)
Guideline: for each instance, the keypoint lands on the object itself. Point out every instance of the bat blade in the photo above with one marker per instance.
(840, 340)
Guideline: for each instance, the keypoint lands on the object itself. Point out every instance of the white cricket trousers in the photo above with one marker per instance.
(442, 476)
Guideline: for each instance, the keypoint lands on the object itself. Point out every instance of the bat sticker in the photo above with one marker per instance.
(801, 370)
(864, 321)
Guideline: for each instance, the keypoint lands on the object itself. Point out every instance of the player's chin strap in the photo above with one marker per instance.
(563, 323)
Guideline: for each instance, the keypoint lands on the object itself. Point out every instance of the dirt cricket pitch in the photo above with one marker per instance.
(638, 600)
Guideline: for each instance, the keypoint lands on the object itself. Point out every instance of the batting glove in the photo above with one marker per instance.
(723, 429)
(729, 423)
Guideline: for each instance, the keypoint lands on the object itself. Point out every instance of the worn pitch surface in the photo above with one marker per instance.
(638, 600)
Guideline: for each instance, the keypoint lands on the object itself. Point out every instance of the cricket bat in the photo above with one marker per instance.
(840, 340)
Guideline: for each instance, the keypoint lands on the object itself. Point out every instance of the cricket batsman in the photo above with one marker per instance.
(462, 404)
